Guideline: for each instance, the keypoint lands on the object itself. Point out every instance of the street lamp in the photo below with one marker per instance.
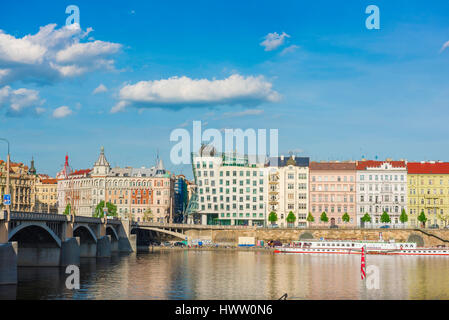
(8, 209)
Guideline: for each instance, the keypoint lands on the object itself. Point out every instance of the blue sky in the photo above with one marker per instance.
(334, 89)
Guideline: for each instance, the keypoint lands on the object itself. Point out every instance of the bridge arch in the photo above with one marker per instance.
(110, 231)
(35, 232)
(416, 239)
(172, 233)
(306, 236)
(84, 232)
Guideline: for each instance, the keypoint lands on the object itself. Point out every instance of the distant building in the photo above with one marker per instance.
(288, 189)
(428, 192)
(21, 186)
(140, 193)
(381, 187)
(181, 195)
(231, 189)
(333, 191)
(46, 195)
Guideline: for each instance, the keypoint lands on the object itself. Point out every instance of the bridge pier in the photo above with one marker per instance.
(88, 250)
(70, 252)
(104, 247)
(40, 256)
(8, 263)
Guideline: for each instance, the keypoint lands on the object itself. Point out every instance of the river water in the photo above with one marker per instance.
(245, 275)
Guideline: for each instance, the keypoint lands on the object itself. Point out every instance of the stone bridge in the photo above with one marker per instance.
(41, 239)
(180, 231)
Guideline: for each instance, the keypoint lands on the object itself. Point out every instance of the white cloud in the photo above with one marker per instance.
(445, 45)
(20, 101)
(84, 51)
(62, 112)
(101, 88)
(53, 54)
(248, 112)
(289, 49)
(274, 40)
(180, 92)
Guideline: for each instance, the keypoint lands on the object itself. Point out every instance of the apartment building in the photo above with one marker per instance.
(288, 189)
(381, 187)
(333, 191)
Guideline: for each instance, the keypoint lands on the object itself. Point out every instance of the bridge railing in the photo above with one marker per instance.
(38, 216)
(34, 216)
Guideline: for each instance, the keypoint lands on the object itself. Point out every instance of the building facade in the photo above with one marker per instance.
(381, 187)
(288, 189)
(21, 186)
(181, 195)
(231, 190)
(46, 195)
(332, 188)
(428, 192)
(138, 193)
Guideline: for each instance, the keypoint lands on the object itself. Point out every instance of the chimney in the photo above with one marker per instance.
(282, 157)
(293, 157)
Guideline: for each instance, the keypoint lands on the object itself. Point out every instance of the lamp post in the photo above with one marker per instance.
(8, 206)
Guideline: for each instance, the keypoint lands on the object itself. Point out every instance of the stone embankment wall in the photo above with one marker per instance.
(431, 238)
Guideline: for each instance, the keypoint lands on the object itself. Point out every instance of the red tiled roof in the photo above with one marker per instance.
(332, 166)
(428, 168)
(49, 181)
(80, 172)
(362, 165)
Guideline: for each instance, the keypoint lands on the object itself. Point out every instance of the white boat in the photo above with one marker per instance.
(355, 247)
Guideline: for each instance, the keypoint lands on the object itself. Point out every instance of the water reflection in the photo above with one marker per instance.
(236, 275)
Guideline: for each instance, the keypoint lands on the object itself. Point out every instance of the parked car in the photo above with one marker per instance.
(180, 244)
(385, 227)
(334, 226)
(275, 243)
(446, 227)
(273, 226)
(167, 244)
(434, 226)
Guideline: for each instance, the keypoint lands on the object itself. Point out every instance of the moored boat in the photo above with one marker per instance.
(355, 247)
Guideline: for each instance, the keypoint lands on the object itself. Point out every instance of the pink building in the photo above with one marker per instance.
(332, 190)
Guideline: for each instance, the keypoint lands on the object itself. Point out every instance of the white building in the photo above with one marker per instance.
(289, 189)
(142, 193)
(381, 186)
(231, 189)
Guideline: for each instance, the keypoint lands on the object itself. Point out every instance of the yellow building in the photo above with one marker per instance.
(428, 192)
(21, 186)
(46, 199)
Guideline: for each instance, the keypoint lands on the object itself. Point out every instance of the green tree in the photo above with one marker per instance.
(385, 218)
(422, 218)
(345, 217)
(310, 218)
(273, 217)
(112, 210)
(403, 217)
(324, 217)
(148, 215)
(291, 218)
(67, 210)
(366, 218)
